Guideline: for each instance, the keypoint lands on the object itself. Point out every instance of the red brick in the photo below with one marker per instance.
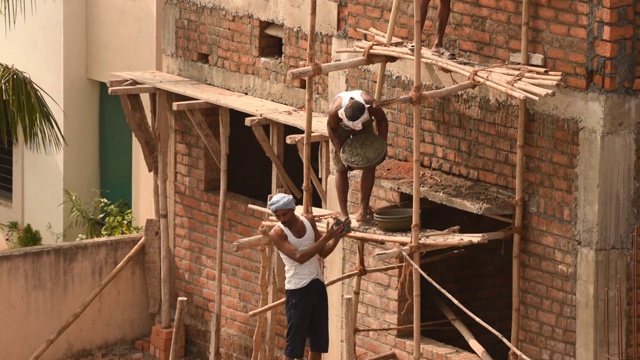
(612, 33)
(606, 49)
(616, 3)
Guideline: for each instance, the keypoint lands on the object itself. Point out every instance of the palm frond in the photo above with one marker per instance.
(23, 108)
(10, 9)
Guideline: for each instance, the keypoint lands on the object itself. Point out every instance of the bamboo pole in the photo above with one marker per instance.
(258, 335)
(386, 356)
(519, 203)
(459, 305)
(307, 199)
(415, 226)
(164, 108)
(382, 68)
(428, 94)
(349, 348)
(224, 148)
(337, 66)
(314, 178)
(177, 327)
(355, 302)
(85, 304)
(464, 331)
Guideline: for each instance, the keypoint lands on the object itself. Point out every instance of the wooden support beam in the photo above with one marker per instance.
(314, 178)
(137, 120)
(299, 138)
(121, 82)
(199, 122)
(135, 89)
(386, 356)
(250, 121)
(340, 65)
(191, 105)
(250, 242)
(266, 146)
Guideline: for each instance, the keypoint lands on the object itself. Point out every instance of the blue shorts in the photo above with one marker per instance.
(307, 317)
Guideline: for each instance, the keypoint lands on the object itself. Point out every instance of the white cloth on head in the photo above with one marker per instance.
(281, 202)
(345, 97)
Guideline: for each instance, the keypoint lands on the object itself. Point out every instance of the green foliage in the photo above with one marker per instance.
(101, 218)
(19, 238)
(29, 237)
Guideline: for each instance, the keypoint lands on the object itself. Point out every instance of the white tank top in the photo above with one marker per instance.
(298, 275)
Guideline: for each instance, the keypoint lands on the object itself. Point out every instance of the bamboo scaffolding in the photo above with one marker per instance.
(166, 254)
(258, 335)
(224, 149)
(311, 47)
(464, 331)
(355, 302)
(415, 226)
(459, 305)
(336, 66)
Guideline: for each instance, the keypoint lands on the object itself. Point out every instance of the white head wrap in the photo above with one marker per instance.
(355, 125)
(281, 202)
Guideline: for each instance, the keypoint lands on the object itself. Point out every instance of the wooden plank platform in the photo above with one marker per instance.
(251, 105)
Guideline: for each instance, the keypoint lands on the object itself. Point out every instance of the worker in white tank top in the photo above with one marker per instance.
(301, 245)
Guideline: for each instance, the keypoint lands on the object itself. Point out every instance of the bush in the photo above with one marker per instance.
(19, 238)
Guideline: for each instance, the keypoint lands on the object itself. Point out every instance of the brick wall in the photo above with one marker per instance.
(195, 253)
(464, 135)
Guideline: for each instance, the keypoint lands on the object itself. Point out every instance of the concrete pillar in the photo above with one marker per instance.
(605, 217)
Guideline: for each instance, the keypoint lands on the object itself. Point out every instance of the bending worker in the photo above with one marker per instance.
(300, 246)
(351, 114)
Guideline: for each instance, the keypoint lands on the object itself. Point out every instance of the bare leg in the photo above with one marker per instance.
(444, 9)
(315, 356)
(424, 7)
(342, 190)
(366, 185)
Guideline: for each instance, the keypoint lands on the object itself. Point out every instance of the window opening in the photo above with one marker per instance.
(249, 172)
(270, 40)
(478, 276)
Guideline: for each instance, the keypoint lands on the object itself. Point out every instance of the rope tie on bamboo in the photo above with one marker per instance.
(517, 77)
(367, 53)
(316, 68)
(362, 271)
(307, 187)
(416, 94)
(475, 72)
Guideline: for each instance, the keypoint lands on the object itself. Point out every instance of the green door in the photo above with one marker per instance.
(115, 149)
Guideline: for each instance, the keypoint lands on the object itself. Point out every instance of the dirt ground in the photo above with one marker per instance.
(120, 352)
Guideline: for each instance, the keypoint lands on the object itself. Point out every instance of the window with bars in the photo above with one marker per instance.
(6, 169)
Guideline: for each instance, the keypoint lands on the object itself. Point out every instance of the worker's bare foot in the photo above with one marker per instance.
(443, 53)
(364, 218)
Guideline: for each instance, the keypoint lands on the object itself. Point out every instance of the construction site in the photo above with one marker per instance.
(516, 161)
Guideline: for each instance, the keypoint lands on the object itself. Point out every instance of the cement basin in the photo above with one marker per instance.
(398, 219)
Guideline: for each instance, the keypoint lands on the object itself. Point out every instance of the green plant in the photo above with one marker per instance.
(100, 218)
(29, 237)
(17, 237)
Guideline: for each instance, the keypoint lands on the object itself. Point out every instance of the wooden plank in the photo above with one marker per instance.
(191, 105)
(251, 105)
(200, 124)
(152, 263)
(137, 120)
(266, 146)
(120, 82)
(136, 89)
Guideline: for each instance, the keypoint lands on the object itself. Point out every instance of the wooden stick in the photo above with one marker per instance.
(307, 199)
(178, 322)
(458, 304)
(137, 120)
(251, 242)
(314, 178)
(85, 304)
(464, 331)
(200, 124)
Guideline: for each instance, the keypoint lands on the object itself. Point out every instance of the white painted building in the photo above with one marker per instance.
(69, 48)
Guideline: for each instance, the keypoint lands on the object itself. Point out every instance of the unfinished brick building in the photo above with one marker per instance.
(581, 171)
